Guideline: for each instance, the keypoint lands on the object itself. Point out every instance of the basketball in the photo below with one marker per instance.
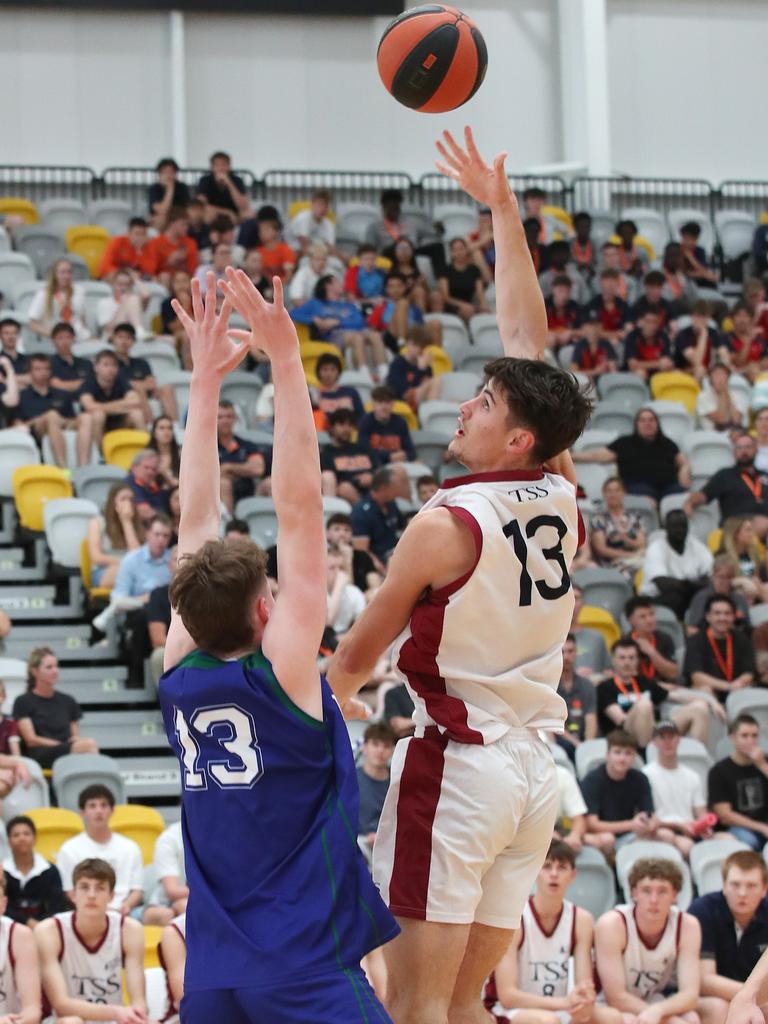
(432, 58)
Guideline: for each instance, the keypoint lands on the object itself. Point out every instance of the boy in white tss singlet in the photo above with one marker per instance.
(20, 998)
(478, 601)
(173, 957)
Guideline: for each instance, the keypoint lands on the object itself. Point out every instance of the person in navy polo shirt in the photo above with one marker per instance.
(108, 398)
(410, 373)
(376, 520)
(9, 342)
(647, 348)
(242, 464)
(347, 467)
(68, 372)
(47, 411)
(145, 480)
(137, 373)
(384, 432)
(651, 299)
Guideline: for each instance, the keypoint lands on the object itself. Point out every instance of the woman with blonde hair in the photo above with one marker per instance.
(740, 545)
(59, 301)
(112, 535)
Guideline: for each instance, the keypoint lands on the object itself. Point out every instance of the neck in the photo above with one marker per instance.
(42, 689)
(616, 775)
(100, 833)
(548, 906)
(650, 927)
(567, 677)
(740, 759)
(719, 634)
(742, 920)
(91, 924)
(376, 772)
(24, 861)
(668, 761)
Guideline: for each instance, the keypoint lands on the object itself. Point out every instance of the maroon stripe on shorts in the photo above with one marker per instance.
(420, 785)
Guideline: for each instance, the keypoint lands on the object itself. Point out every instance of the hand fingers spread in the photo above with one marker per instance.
(277, 286)
(498, 163)
(240, 336)
(446, 171)
(210, 295)
(448, 158)
(225, 311)
(456, 149)
(197, 300)
(469, 141)
(182, 314)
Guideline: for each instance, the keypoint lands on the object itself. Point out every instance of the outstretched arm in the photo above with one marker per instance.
(745, 1007)
(295, 628)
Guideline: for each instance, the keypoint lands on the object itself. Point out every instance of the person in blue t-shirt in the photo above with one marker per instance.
(383, 432)
(397, 314)
(364, 282)
(48, 412)
(373, 779)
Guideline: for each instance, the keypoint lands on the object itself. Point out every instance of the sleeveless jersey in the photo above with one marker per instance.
(650, 971)
(483, 654)
(171, 1015)
(9, 999)
(279, 889)
(543, 959)
(93, 974)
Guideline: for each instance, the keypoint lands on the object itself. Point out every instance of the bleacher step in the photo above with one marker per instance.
(38, 601)
(150, 777)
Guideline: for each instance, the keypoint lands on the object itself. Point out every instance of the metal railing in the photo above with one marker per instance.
(284, 187)
(751, 196)
(616, 194)
(436, 188)
(33, 182)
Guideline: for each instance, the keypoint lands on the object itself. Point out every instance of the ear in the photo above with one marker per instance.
(520, 442)
(262, 611)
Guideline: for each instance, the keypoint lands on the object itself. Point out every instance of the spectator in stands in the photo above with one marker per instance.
(59, 300)
(32, 884)
(562, 313)
(338, 532)
(745, 349)
(376, 519)
(181, 290)
(532, 230)
(695, 262)
(481, 245)
(583, 252)
(312, 267)
(675, 564)
(393, 224)
(410, 373)
(760, 425)
(718, 406)
(330, 395)
(96, 803)
(243, 464)
(10, 331)
(734, 924)
(618, 798)
(277, 257)
(579, 695)
(610, 259)
(174, 512)
(48, 412)
(167, 193)
(222, 191)
(171, 251)
(633, 257)
(678, 796)
(347, 466)
(461, 286)
(626, 699)
(137, 373)
(647, 348)
(158, 615)
(313, 224)
(571, 820)
(221, 258)
(123, 252)
(364, 282)
(652, 300)
(123, 306)
(144, 479)
(719, 659)
(169, 897)
(610, 309)
(345, 601)
(253, 266)
(678, 290)
(559, 265)
(68, 372)
(162, 440)
(721, 581)
(111, 535)
(198, 229)
(396, 316)
(696, 344)
(383, 432)
(373, 779)
(48, 719)
(426, 488)
(109, 399)
(403, 256)
(9, 392)
(648, 461)
(592, 656)
(738, 785)
(740, 544)
(739, 489)
(593, 354)
(221, 230)
(617, 536)
(755, 298)
(398, 710)
(760, 249)
(657, 649)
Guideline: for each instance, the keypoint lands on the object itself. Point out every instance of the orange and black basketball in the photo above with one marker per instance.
(432, 58)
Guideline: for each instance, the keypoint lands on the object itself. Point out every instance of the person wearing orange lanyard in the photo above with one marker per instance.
(740, 490)
(634, 260)
(626, 699)
(719, 659)
(657, 649)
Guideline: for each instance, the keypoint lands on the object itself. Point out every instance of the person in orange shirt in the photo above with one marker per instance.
(123, 252)
(173, 250)
(277, 256)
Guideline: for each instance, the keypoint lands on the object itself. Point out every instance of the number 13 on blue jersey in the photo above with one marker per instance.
(240, 765)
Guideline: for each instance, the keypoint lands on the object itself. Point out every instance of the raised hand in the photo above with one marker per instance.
(488, 185)
(271, 329)
(213, 353)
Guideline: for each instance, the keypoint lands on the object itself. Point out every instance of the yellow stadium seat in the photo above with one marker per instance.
(675, 386)
(602, 621)
(152, 936)
(86, 572)
(401, 409)
(714, 540)
(381, 262)
(441, 361)
(643, 243)
(311, 351)
(559, 214)
(764, 217)
(33, 486)
(120, 447)
(141, 824)
(303, 204)
(55, 826)
(15, 206)
(88, 241)
(303, 332)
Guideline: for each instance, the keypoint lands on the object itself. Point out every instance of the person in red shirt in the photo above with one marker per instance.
(754, 296)
(593, 355)
(610, 310)
(647, 348)
(123, 252)
(277, 257)
(562, 313)
(173, 250)
(583, 252)
(744, 349)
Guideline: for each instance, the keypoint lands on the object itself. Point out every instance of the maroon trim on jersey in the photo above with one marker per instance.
(498, 477)
(84, 944)
(679, 928)
(420, 785)
(537, 919)
(581, 530)
(11, 957)
(574, 911)
(61, 939)
(650, 945)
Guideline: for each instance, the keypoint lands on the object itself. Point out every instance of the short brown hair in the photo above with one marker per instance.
(620, 738)
(380, 732)
(97, 869)
(213, 591)
(746, 860)
(562, 852)
(656, 868)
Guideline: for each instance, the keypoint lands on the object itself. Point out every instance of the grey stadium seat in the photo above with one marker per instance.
(706, 860)
(604, 588)
(682, 215)
(440, 416)
(650, 224)
(457, 220)
(751, 701)
(735, 229)
(128, 730)
(73, 772)
(15, 268)
(111, 214)
(40, 243)
(94, 482)
(459, 386)
(455, 337)
(623, 387)
(593, 889)
(613, 414)
(259, 513)
(25, 798)
(66, 525)
(60, 214)
(16, 449)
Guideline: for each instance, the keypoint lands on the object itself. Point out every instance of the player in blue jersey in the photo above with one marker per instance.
(281, 907)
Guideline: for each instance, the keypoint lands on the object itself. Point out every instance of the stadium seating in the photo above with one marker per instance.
(141, 824)
(458, 221)
(751, 701)
(650, 225)
(94, 482)
(681, 215)
(17, 450)
(23, 799)
(735, 229)
(439, 416)
(59, 214)
(15, 269)
(120, 447)
(631, 852)
(602, 621)
(16, 206)
(594, 888)
(54, 825)
(706, 860)
(260, 515)
(73, 772)
(674, 386)
(604, 588)
(111, 214)
(455, 336)
(33, 486)
(458, 387)
(40, 243)
(152, 937)
(66, 522)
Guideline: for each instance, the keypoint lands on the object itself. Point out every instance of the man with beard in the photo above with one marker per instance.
(740, 490)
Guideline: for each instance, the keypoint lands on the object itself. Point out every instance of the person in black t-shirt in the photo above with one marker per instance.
(68, 372)
(222, 191)
(719, 659)
(166, 193)
(627, 700)
(740, 490)
(47, 411)
(578, 692)
(657, 649)
(461, 286)
(738, 785)
(347, 467)
(338, 531)
(10, 330)
(109, 399)
(398, 710)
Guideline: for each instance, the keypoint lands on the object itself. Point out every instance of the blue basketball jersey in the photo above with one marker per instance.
(279, 889)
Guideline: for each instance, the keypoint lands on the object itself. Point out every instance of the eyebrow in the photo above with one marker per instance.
(487, 391)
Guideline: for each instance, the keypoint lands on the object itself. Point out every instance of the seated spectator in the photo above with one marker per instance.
(410, 373)
(481, 245)
(738, 785)
(162, 440)
(60, 300)
(610, 309)
(760, 425)
(618, 798)
(426, 488)
(627, 700)
(571, 820)
(739, 489)
(172, 327)
(559, 265)
(534, 199)
(593, 355)
(717, 406)
(745, 349)
(253, 266)
(383, 432)
(97, 840)
(720, 658)
(562, 313)
(242, 464)
(755, 298)
(173, 250)
(158, 613)
(675, 564)
(583, 252)
(734, 925)
(223, 192)
(373, 779)
(633, 257)
(696, 344)
(740, 544)
(112, 535)
(364, 282)
(617, 536)
(695, 264)
(610, 259)
(310, 270)
(393, 224)
(678, 290)
(592, 657)
(167, 193)
(403, 256)
(68, 372)
(10, 331)
(657, 650)
(48, 412)
(221, 231)
(221, 258)
(647, 348)
(532, 230)
(171, 892)
(376, 519)
(277, 257)
(347, 466)
(398, 710)
(677, 793)
(338, 532)
(312, 225)
(147, 485)
(109, 399)
(9, 392)
(461, 285)
(48, 719)
(123, 252)
(721, 581)
(652, 301)
(123, 306)
(32, 884)
(397, 316)
(330, 394)
(648, 462)
(578, 693)
(198, 229)
(345, 601)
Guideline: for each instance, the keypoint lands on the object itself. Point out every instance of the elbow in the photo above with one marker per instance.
(350, 657)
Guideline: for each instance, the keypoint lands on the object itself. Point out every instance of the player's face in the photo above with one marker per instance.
(746, 739)
(483, 437)
(555, 877)
(21, 839)
(654, 897)
(743, 891)
(96, 812)
(92, 896)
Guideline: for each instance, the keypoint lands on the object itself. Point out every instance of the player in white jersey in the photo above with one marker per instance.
(173, 957)
(83, 952)
(479, 594)
(648, 952)
(20, 998)
(546, 975)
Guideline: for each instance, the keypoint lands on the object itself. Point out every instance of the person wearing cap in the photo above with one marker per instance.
(593, 354)
(678, 795)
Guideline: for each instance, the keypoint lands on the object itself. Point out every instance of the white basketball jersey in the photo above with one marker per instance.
(543, 959)
(483, 654)
(9, 999)
(93, 974)
(649, 971)
(171, 1015)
